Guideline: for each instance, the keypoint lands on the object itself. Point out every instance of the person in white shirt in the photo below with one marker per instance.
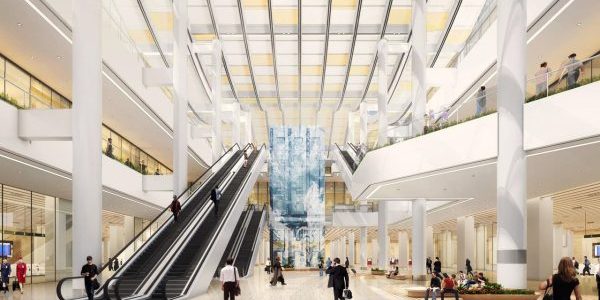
(229, 280)
(541, 79)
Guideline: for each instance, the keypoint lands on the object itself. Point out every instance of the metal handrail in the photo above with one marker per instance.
(62, 281)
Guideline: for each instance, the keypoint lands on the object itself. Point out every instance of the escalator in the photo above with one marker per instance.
(349, 160)
(244, 258)
(179, 275)
(160, 238)
(236, 239)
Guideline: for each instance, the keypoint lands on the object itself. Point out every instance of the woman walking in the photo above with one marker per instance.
(564, 283)
(21, 273)
(277, 273)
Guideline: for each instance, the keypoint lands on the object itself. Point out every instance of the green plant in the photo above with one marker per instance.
(12, 101)
(495, 289)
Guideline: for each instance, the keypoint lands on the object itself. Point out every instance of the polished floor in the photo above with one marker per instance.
(301, 286)
(310, 286)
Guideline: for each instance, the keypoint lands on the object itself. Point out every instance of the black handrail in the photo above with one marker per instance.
(110, 260)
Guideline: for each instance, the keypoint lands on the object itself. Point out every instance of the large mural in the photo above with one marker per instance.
(296, 187)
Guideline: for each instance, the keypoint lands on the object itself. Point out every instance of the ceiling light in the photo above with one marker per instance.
(579, 23)
(577, 207)
(59, 57)
(20, 24)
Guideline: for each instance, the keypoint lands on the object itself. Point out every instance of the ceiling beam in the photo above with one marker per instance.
(243, 25)
(299, 64)
(349, 66)
(325, 52)
(274, 55)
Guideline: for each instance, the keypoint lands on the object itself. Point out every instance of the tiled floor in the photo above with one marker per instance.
(301, 286)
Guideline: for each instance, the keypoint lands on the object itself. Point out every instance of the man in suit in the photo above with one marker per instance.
(338, 279)
(215, 196)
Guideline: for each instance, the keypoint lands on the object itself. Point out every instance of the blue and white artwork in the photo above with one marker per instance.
(296, 187)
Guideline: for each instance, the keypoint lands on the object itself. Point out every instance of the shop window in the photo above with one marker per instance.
(17, 85)
(41, 95)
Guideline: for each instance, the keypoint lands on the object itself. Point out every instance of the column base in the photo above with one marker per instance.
(419, 277)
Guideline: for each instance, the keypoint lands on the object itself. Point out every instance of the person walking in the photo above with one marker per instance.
(89, 271)
(435, 285)
(428, 264)
(437, 265)
(109, 148)
(328, 262)
(481, 101)
(576, 265)
(245, 159)
(116, 265)
(21, 273)
(230, 285)
(321, 267)
(175, 208)
(268, 266)
(277, 273)
(541, 79)
(586, 266)
(347, 263)
(449, 286)
(5, 272)
(573, 69)
(338, 279)
(215, 196)
(564, 283)
(469, 267)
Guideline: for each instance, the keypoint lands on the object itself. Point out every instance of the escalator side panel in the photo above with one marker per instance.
(231, 243)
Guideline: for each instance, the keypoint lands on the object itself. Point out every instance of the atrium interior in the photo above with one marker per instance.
(413, 140)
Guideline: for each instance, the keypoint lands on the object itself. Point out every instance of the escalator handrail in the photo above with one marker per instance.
(110, 260)
(202, 259)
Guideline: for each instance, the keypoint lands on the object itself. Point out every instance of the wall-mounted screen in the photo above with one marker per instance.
(6, 248)
(596, 249)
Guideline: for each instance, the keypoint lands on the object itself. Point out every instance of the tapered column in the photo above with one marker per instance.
(419, 57)
(363, 247)
(343, 251)
(364, 119)
(217, 140)
(87, 132)
(465, 241)
(403, 249)
(351, 248)
(235, 124)
(429, 241)
(511, 166)
(382, 95)
(180, 122)
(419, 208)
(351, 135)
(480, 241)
(540, 238)
(382, 233)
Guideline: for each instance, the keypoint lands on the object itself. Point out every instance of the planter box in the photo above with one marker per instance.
(498, 297)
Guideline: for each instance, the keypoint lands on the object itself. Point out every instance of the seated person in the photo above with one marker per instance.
(434, 285)
(462, 278)
(449, 286)
(481, 280)
(393, 272)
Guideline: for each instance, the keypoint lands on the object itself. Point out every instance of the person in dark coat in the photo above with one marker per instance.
(175, 208)
(347, 263)
(469, 267)
(598, 282)
(277, 273)
(437, 265)
(215, 196)
(5, 271)
(338, 279)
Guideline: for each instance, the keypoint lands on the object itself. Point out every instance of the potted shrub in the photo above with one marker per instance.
(377, 271)
(496, 292)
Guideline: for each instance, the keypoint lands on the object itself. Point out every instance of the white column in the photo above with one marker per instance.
(235, 124)
(87, 132)
(363, 247)
(419, 58)
(364, 118)
(382, 95)
(419, 208)
(351, 248)
(480, 240)
(465, 240)
(343, 251)
(540, 233)
(350, 137)
(180, 121)
(217, 141)
(511, 166)
(247, 128)
(382, 233)
(403, 249)
(429, 241)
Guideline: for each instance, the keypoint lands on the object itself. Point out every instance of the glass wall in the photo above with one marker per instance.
(260, 194)
(37, 228)
(24, 91)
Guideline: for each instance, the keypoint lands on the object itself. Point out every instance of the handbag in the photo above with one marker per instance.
(548, 292)
(347, 294)
(236, 291)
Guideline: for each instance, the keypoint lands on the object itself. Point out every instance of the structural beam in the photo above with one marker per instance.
(180, 91)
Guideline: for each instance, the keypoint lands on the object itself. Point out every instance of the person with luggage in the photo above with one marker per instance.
(338, 279)
(564, 283)
(21, 274)
(5, 272)
(230, 284)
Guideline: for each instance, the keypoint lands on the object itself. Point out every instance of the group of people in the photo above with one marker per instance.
(571, 69)
(5, 271)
